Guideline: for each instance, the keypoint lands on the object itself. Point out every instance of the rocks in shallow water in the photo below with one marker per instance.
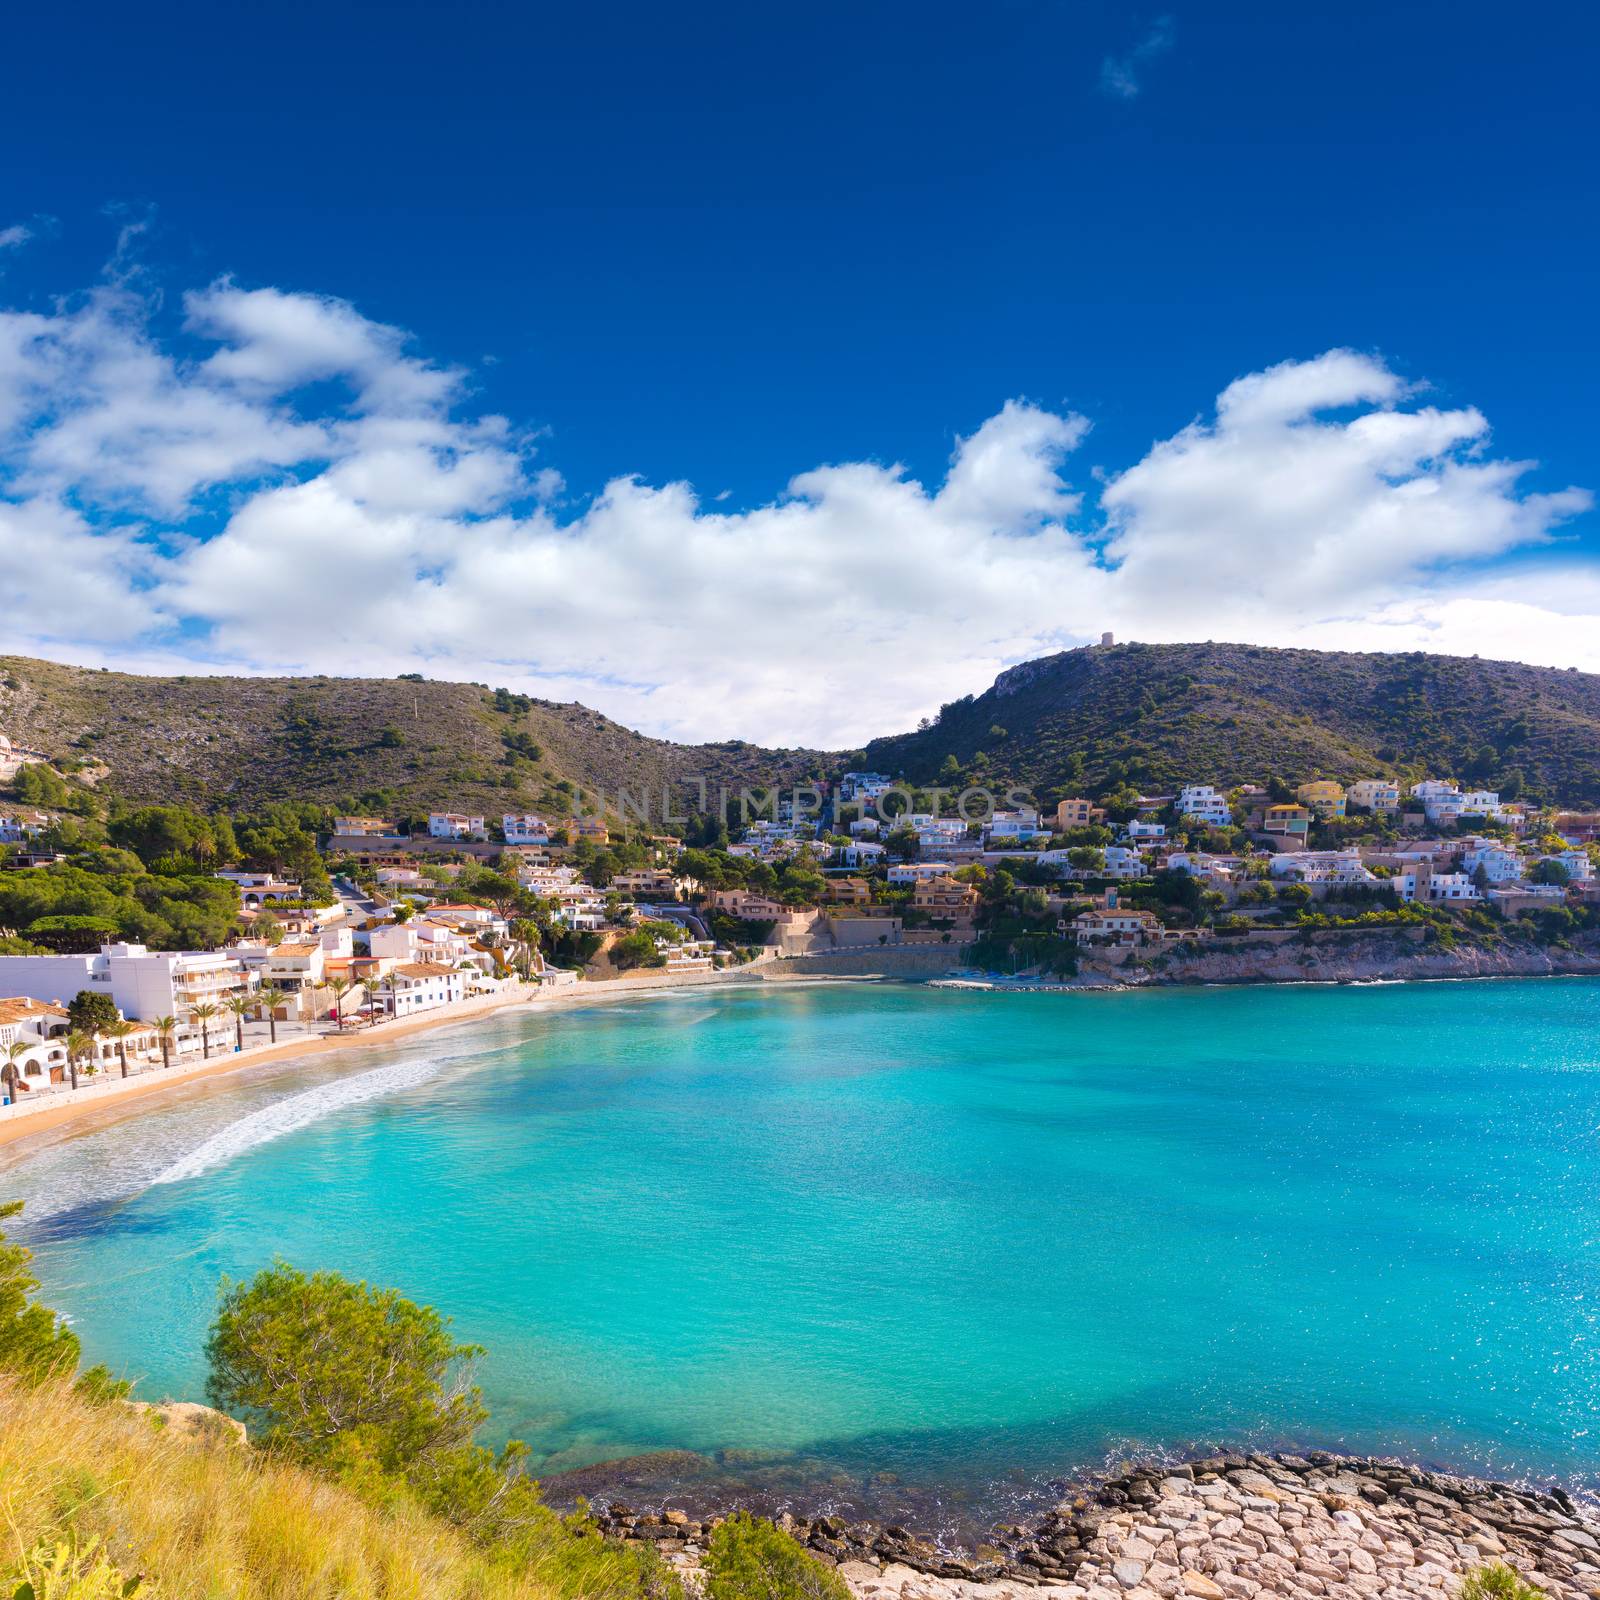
(1229, 1527)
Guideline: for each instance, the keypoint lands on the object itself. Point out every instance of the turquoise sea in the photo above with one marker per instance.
(913, 1251)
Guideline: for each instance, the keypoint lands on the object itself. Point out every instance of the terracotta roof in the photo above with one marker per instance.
(21, 1008)
(424, 969)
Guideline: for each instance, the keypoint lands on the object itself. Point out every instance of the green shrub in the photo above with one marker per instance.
(751, 1559)
(35, 1344)
(1496, 1581)
(65, 1572)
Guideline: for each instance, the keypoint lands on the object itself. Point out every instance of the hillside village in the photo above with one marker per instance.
(159, 935)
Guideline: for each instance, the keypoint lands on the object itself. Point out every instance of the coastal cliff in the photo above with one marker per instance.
(1351, 957)
(1232, 1527)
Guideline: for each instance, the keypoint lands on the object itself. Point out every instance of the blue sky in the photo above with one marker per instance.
(725, 246)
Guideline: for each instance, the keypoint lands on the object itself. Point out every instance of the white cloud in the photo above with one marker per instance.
(1121, 76)
(14, 237)
(387, 531)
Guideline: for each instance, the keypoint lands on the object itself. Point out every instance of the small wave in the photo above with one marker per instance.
(298, 1111)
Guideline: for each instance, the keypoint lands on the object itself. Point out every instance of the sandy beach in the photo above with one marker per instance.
(96, 1108)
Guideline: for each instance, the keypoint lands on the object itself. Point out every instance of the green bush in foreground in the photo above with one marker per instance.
(368, 1388)
(751, 1559)
(1496, 1581)
(35, 1344)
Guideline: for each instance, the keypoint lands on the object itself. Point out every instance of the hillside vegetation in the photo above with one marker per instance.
(1084, 720)
(392, 743)
(1159, 715)
(201, 1521)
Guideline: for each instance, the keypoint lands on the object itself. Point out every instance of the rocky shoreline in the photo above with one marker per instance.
(1339, 956)
(1229, 1527)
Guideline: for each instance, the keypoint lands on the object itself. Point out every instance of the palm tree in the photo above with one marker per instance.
(119, 1031)
(204, 1013)
(166, 1028)
(11, 1073)
(79, 1044)
(239, 1006)
(269, 997)
(340, 987)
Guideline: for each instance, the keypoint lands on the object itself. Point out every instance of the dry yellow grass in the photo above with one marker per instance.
(213, 1522)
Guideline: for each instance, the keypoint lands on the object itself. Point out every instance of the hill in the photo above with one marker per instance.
(1158, 715)
(1085, 720)
(395, 744)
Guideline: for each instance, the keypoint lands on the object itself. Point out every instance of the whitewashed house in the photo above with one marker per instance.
(1499, 865)
(142, 984)
(525, 828)
(454, 825)
(416, 986)
(1202, 802)
(1476, 803)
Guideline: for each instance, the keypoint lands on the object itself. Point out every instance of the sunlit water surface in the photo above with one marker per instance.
(911, 1251)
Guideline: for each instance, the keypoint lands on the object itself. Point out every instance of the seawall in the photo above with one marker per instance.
(884, 961)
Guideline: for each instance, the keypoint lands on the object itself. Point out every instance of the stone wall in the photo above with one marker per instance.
(884, 961)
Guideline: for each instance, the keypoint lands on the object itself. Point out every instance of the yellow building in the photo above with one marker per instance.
(1077, 814)
(1375, 794)
(1288, 822)
(1326, 799)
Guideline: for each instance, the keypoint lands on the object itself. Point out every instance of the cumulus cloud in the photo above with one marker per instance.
(1122, 76)
(283, 484)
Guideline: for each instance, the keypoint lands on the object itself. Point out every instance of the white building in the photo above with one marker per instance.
(1202, 802)
(1579, 867)
(259, 889)
(143, 984)
(524, 828)
(1440, 800)
(582, 910)
(20, 828)
(864, 787)
(859, 853)
(692, 955)
(1326, 869)
(416, 986)
(1434, 888)
(1019, 825)
(420, 940)
(1219, 872)
(1479, 803)
(905, 873)
(453, 825)
(1499, 864)
(41, 1029)
(1140, 832)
